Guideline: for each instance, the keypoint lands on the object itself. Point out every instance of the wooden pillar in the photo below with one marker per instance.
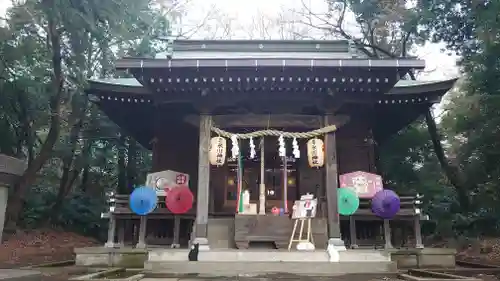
(121, 233)
(202, 198)
(418, 233)
(141, 244)
(177, 232)
(285, 185)
(331, 185)
(387, 234)
(111, 232)
(262, 185)
(353, 232)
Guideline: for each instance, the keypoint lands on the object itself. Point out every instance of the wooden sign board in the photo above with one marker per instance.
(304, 209)
(166, 179)
(364, 184)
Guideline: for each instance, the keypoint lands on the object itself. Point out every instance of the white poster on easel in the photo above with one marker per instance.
(303, 211)
(305, 208)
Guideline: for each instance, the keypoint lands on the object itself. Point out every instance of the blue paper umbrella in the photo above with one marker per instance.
(143, 200)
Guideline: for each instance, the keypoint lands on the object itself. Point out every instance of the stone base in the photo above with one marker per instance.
(10, 170)
(109, 245)
(234, 262)
(202, 242)
(221, 233)
(337, 243)
(255, 268)
(111, 257)
(264, 255)
(4, 194)
(423, 258)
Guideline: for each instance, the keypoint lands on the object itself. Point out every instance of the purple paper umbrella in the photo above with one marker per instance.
(385, 204)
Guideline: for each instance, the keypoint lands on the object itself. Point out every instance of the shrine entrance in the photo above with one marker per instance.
(273, 177)
(274, 180)
(263, 183)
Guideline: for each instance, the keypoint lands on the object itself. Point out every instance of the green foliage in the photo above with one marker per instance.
(70, 188)
(463, 26)
(80, 212)
(471, 118)
(409, 166)
(470, 124)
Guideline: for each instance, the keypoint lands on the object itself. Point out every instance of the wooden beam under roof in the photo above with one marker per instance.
(269, 121)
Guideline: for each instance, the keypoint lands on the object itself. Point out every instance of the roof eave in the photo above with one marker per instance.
(142, 63)
(424, 87)
(135, 88)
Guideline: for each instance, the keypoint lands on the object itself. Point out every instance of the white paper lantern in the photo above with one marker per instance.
(217, 153)
(315, 153)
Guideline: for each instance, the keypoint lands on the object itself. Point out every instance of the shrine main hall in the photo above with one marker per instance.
(177, 103)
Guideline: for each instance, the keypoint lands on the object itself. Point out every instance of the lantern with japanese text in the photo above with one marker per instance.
(217, 153)
(315, 153)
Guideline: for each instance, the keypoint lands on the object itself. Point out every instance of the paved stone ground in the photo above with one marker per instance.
(242, 278)
(64, 273)
(16, 274)
(277, 277)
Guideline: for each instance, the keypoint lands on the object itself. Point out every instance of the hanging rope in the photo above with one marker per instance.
(276, 133)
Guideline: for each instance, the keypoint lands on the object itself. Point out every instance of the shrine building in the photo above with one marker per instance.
(322, 90)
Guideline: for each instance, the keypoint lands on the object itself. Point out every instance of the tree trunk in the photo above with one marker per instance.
(15, 205)
(131, 164)
(453, 173)
(85, 178)
(71, 162)
(26, 121)
(122, 168)
(70, 175)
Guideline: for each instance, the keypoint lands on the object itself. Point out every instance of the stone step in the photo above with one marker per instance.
(240, 267)
(18, 274)
(165, 255)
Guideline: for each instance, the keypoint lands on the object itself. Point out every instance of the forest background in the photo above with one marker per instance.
(75, 154)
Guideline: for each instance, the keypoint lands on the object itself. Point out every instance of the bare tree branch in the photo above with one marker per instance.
(368, 48)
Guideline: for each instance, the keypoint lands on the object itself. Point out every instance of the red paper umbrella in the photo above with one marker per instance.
(179, 200)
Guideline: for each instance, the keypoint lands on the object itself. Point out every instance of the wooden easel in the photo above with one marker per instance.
(303, 211)
(308, 239)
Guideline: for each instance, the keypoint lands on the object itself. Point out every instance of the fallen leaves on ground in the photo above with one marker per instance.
(41, 246)
(483, 250)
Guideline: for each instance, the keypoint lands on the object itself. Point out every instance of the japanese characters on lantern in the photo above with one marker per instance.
(217, 153)
(315, 153)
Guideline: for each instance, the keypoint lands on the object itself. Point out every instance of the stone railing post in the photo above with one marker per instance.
(11, 169)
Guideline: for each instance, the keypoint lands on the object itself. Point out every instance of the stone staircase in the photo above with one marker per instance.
(239, 268)
(234, 262)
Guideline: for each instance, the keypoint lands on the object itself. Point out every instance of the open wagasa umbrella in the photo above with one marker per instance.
(179, 199)
(348, 201)
(385, 204)
(143, 200)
